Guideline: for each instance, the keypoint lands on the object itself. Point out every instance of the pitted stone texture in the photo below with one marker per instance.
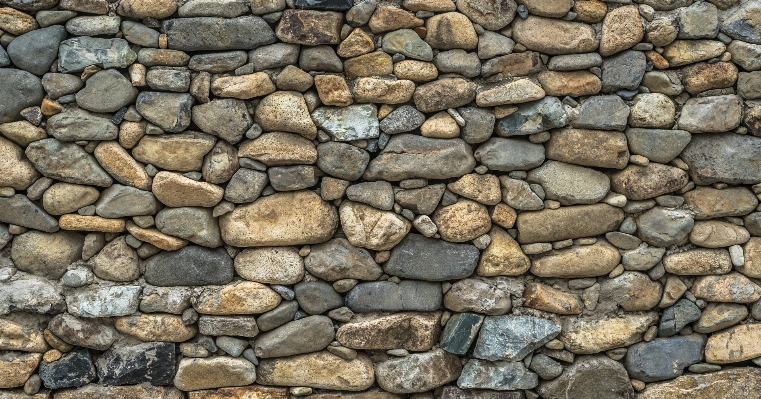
(382, 331)
(207, 33)
(322, 370)
(595, 335)
(337, 259)
(551, 225)
(189, 266)
(725, 383)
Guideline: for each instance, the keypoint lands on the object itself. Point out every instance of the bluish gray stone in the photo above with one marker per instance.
(422, 258)
(208, 33)
(403, 119)
(137, 33)
(35, 51)
(408, 43)
(602, 112)
(67, 162)
(391, 297)
(195, 224)
(545, 367)
(74, 369)
(657, 145)
(664, 358)
(678, 316)
(460, 332)
(317, 297)
(191, 266)
(19, 210)
(513, 337)
(274, 56)
(662, 227)
(169, 111)
(533, 117)
(214, 8)
(623, 71)
(60, 84)
(501, 376)
(218, 62)
(574, 62)
(310, 334)
(507, 155)
(355, 122)
(245, 186)
(74, 55)
(152, 362)
(18, 89)
(724, 157)
(75, 124)
(698, 21)
(342, 160)
(5, 60)
(275, 318)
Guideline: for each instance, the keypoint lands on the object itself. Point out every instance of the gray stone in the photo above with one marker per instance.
(30, 293)
(151, 57)
(239, 326)
(500, 375)
(590, 377)
(698, 21)
(53, 17)
(753, 223)
(458, 61)
(741, 22)
(72, 370)
(664, 82)
(602, 112)
(337, 259)
(727, 158)
(292, 178)
(196, 225)
(273, 56)
(623, 71)
(35, 51)
(310, 334)
(663, 227)
(76, 124)
(74, 55)
(213, 8)
(191, 266)
(137, 33)
(82, 332)
(418, 372)
(676, 317)
(218, 62)
(574, 62)
(714, 114)
(533, 117)
(642, 258)
(46, 254)
(355, 122)
(507, 155)
(421, 258)
(422, 201)
(391, 297)
(232, 346)
(492, 44)
(93, 25)
(19, 210)
(282, 314)
(119, 201)
(67, 162)
(169, 111)
(570, 184)
(5, 60)
(749, 85)
(403, 119)
(166, 79)
(225, 118)
(378, 194)
(460, 332)
(60, 84)
(18, 89)
(479, 124)
(545, 367)
(664, 358)
(342, 160)
(408, 43)
(208, 33)
(245, 186)
(97, 301)
(411, 156)
(513, 337)
(657, 145)
(320, 58)
(317, 297)
(746, 55)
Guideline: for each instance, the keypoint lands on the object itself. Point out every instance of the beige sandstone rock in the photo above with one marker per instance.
(377, 63)
(243, 87)
(285, 111)
(271, 265)
(371, 228)
(22, 133)
(245, 297)
(117, 261)
(91, 223)
(63, 198)
(322, 370)
(732, 287)
(46, 254)
(95, 391)
(575, 84)
(519, 91)
(333, 90)
(121, 166)
(16, 367)
(588, 336)
(16, 22)
(683, 52)
(718, 234)
(18, 172)
(182, 152)
(621, 29)
(141, 9)
(441, 126)
(215, 372)
(249, 392)
(543, 297)
(503, 256)
(578, 261)
(598, 148)
(383, 91)
(472, 295)
(727, 383)
(752, 254)
(176, 190)
(413, 331)
(155, 237)
(278, 148)
(554, 36)
(357, 43)
(709, 203)
(734, 345)
(643, 182)
(18, 337)
(155, 327)
(550, 225)
(450, 30)
(416, 71)
(463, 221)
(696, 262)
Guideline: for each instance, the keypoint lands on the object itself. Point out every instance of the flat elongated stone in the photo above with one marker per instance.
(246, 297)
(533, 117)
(510, 154)
(247, 392)
(421, 258)
(30, 293)
(221, 371)
(181, 152)
(103, 301)
(19, 337)
(19, 210)
(386, 296)
(499, 375)
(727, 158)
(513, 337)
(322, 370)
(570, 184)
(410, 156)
(75, 54)
(734, 345)
(588, 336)
(643, 182)
(155, 327)
(45, 254)
(664, 358)
(337, 259)
(732, 288)
(82, 332)
(95, 391)
(602, 112)
(566, 37)
(731, 382)
(657, 145)
(708, 202)
(208, 33)
(310, 27)
(189, 266)
(551, 225)
(418, 372)
(310, 334)
(713, 114)
(383, 331)
(443, 94)
(598, 148)
(67, 162)
(699, 261)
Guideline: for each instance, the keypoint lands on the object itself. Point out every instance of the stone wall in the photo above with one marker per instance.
(218, 199)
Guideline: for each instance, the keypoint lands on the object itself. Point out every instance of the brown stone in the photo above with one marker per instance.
(293, 78)
(121, 166)
(516, 92)
(463, 221)
(727, 383)
(416, 71)
(62, 198)
(503, 256)
(697, 262)
(548, 8)
(734, 345)
(429, 5)
(91, 223)
(156, 238)
(718, 234)
(574, 84)
(221, 163)
(278, 148)
(543, 297)
(387, 18)
(182, 152)
(285, 111)
(18, 337)
(17, 367)
(550, 225)
(709, 203)
(443, 94)
(249, 392)
(383, 91)
(214, 372)
(503, 216)
(371, 228)
(376, 63)
(481, 188)
(155, 327)
(244, 87)
(578, 261)
(752, 253)
(95, 391)
(22, 133)
(516, 64)
(732, 287)
(554, 36)
(414, 331)
(333, 90)
(142, 9)
(591, 11)
(704, 76)
(598, 148)
(16, 22)
(621, 29)
(643, 182)
(492, 15)
(176, 190)
(450, 30)
(588, 336)
(441, 126)
(322, 370)
(310, 27)
(17, 171)
(357, 43)
(130, 133)
(658, 61)
(683, 52)
(243, 297)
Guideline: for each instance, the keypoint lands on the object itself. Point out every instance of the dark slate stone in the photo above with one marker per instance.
(152, 362)
(602, 112)
(513, 337)
(317, 297)
(208, 33)
(74, 369)
(496, 375)
(190, 266)
(19, 210)
(422, 258)
(331, 5)
(623, 71)
(676, 317)
(35, 51)
(723, 157)
(479, 124)
(18, 90)
(391, 297)
(533, 117)
(664, 358)
(460, 332)
(275, 318)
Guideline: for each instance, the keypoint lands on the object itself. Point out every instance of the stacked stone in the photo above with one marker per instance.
(280, 198)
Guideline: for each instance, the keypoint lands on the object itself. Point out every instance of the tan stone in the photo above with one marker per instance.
(46, 254)
(414, 331)
(16, 22)
(718, 234)
(17, 171)
(450, 30)
(658, 61)
(293, 78)
(416, 71)
(18, 337)
(700, 261)
(383, 91)
(704, 76)
(121, 166)
(357, 43)
(333, 90)
(17, 367)
(543, 297)
(155, 327)
(142, 9)
(752, 254)
(91, 223)
(95, 391)
(371, 228)
(463, 221)
(548, 8)
(516, 92)
(243, 297)
(718, 316)
(510, 65)
(480, 188)
(288, 218)
(643, 182)
(272, 265)
(588, 336)
(598, 148)
(734, 345)
(444, 93)
(322, 370)
(429, 5)
(732, 287)
(503, 256)
(550, 225)
(575, 84)
(182, 152)
(57, 343)
(579, 261)
(621, 29)
(503, 216)
(307, 27)
(440, 126)
(117, 261)
(672, 291)
(662, 32)
(215, 372)
(278, 148)
(591, 11)
(130, 133)
(156, 238)
(370, 394)
(285, 111)
(22, 133)
(52, 355)
(176, 190)
(683, 52)
(554, 36)
(63, 198)
(244, 87)
(727, 383)
(387, 18)
(249, 392)
(632, 291)
(708, 202)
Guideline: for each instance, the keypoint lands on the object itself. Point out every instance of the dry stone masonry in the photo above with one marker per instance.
(380, 199)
